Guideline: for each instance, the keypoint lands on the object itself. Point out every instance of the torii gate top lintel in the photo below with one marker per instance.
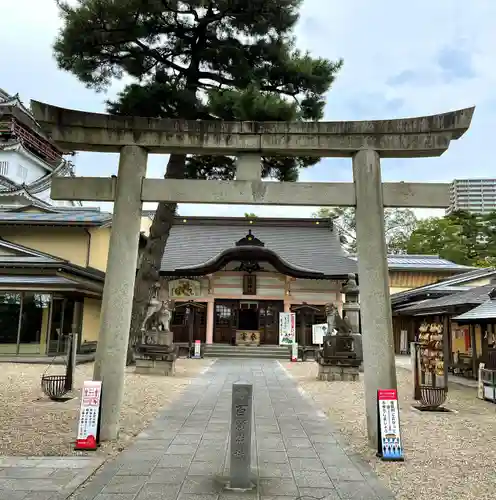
(75, 130)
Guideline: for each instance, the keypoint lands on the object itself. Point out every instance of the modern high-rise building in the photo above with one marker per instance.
(473, 195)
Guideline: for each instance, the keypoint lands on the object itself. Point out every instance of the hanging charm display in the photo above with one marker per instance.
(431, 350)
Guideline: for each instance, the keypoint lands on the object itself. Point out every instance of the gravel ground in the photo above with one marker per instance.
(31, 424)
(447, 455)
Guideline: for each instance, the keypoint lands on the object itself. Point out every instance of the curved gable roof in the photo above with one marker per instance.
(306, 247)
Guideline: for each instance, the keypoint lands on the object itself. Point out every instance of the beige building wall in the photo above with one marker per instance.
(69, 243)
(99, 247)
(91, 319)
(80, 246)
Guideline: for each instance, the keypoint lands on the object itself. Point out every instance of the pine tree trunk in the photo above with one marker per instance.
(148, 272)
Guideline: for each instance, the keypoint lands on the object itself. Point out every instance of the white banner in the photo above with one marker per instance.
(197, 353)
(87, 436)
(287, 328)
(294, 352)
(480, 382)
(390, 445)
(403, 341)
(318, 333)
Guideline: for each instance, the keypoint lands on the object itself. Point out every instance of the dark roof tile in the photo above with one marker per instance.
(309, 246)
(37, 280)
(75, 217)
(400, 262)
(445, 285)
(477, 295)
(487, 310)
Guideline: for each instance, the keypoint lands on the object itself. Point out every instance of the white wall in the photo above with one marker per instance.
(230, 285)
(20, 168)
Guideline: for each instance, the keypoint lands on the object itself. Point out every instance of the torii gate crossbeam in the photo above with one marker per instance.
(364, 141)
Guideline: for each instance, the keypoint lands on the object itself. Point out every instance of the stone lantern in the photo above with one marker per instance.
(351, 312)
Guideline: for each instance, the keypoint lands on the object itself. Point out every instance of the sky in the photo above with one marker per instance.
(401, 59)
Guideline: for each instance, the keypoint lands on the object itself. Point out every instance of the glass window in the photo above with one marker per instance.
(61, 324)
(270, 315)
(10, 309)
(34, 322)
(222, 315)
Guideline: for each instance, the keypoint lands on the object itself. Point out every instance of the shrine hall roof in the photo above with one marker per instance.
(475, 296)
(486, 311)
(305, 244)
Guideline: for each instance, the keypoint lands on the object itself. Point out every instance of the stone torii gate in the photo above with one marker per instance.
(363, 141)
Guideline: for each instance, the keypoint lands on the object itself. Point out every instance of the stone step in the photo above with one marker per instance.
(272, 352)
(246, 349)
(244, 355)
(230, 347)
(248, 354)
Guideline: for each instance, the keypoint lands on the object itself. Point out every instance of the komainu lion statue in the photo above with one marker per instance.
(335, 321)
(158, 312)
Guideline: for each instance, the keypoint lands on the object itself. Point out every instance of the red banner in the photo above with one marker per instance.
(387, 395)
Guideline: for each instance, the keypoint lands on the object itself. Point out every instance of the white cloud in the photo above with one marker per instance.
(401, 59)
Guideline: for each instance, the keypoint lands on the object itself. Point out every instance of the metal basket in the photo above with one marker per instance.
(54, 386)
(432, 397)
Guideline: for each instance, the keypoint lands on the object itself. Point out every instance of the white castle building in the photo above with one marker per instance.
(28, 159)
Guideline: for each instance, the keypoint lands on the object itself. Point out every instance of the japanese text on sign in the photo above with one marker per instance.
(287, 328)
(87, 435)
(390, 435)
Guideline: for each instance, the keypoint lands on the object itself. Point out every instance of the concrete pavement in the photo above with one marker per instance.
(183, 455)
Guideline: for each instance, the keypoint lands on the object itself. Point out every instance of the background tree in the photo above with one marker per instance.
(251, 215)
(464, 238)
(488, 240)
(399, 224)
(195, 59)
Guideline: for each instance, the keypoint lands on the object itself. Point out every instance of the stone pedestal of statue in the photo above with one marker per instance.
(341, 354)
(332, 373)
(156, 354)
(165, 368)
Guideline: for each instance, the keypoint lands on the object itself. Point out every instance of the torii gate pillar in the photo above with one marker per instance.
(375, 304)
(118, 291)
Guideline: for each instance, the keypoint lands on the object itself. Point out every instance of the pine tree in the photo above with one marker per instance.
(196, 59)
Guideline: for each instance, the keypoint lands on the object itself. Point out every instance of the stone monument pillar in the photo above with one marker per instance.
(351, 313)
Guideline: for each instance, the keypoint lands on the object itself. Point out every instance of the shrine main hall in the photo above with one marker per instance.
(241, 272)
(245, 271)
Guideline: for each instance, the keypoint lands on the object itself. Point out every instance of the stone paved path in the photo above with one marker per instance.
(183, 454)
(44, 478)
